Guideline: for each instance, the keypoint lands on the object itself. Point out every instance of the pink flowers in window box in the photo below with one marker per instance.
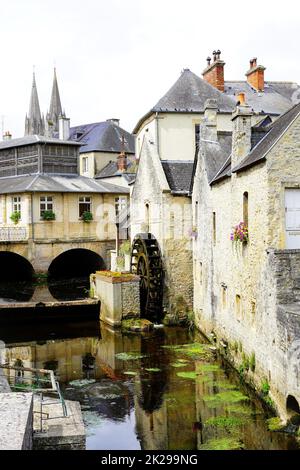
(240, 233)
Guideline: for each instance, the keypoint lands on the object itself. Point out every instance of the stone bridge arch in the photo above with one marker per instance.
(15, 266)
(75, 262)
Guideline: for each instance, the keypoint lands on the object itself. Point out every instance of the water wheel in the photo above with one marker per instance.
(146, 262)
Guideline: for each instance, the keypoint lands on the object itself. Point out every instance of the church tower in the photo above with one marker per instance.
(55, 110)
(34, 124)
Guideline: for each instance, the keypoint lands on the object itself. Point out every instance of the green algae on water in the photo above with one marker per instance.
(209, 367)
(226, 422)
(224, 443)
(240, 409)
(221, 398)
(179, 364)
(223, 385)
(130, 356)
(187, 375)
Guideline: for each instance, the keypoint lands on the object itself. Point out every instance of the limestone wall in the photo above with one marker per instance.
(240, 289)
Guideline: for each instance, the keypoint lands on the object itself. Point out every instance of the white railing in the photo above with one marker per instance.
(13, 234)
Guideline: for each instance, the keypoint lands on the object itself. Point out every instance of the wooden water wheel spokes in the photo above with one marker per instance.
(146, 262)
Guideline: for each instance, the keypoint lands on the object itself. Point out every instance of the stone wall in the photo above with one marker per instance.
(170, 221)
(247, 293)
(119, 296)
(130, 299)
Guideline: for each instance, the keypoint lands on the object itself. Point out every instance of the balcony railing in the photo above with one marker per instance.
(13, 234)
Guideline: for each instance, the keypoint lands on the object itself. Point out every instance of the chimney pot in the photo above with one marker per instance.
(241, 98)
(7, 136)
(255, 75)
(214, 72)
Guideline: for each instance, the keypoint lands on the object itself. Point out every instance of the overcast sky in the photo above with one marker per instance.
(116, 58)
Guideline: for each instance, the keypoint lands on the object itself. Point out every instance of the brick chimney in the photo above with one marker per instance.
(214, 72)
(255, 75)
(122, 162)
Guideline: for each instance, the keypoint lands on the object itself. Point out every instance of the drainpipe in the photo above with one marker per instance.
(32, 224)
(157, 133)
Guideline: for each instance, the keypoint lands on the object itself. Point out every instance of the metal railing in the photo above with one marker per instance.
(13, 234)
(40, 386)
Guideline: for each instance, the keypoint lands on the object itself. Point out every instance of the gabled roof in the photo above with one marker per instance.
(34, 139)
(54, 183)
(278, 128)
(179, 175)
(102, 137)
(111, 170)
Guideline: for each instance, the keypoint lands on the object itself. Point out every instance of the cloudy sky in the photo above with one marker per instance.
(116, 58)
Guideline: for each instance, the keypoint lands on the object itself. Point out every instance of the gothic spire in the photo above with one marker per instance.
(33, 122)
(55, 105)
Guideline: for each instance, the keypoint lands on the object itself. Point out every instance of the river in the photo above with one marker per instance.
(162, 390)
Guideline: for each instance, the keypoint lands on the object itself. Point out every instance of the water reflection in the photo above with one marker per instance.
(43, 290)
(132, 396)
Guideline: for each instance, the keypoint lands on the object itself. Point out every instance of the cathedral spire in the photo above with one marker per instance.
(55, 110)
(33, 122)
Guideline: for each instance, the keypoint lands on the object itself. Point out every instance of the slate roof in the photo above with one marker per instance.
(102, 137)
(33, 139)
(52, 183)
(276, 98)
(258, 153)
(179, 175)
(111, 169)
(189, 93)
(215, 154)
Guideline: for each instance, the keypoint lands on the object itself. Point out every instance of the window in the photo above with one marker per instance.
(197, 137)
(16, 204)
(85, 205)
(85, 165)
(196, 214)
(245, 209)
(214, 228)
(224, 296)
(172, 224)
(122, 216)
(238, 307)
(46, 204)
(120, 206)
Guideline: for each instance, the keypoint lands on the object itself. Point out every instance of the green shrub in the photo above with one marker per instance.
(87, 216)
(265, 387)
(15, 217)
(48, 215)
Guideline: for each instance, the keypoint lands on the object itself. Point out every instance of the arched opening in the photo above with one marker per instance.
(16, 276)
(292, 405)
(15, 267)
(69, 273)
